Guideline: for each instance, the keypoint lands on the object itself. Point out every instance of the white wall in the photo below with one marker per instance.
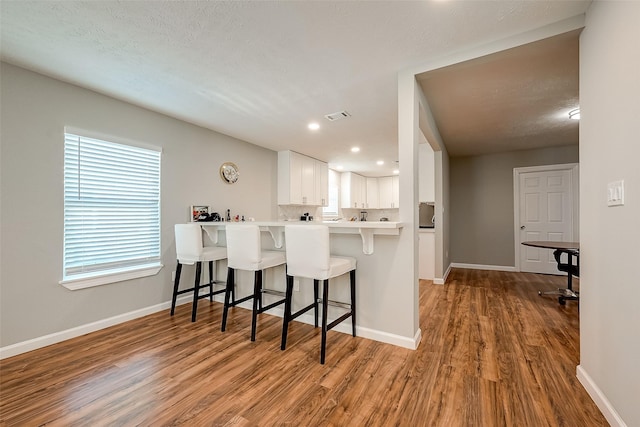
(609, 151)
(34, 111)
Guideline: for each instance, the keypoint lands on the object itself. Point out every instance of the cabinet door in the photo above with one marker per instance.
(372, 193)
(289, 178)
(322, 183)
(426, 255)
(426, 173)
(395, 192)
(308, 182)
(385, 192)
(353, 190)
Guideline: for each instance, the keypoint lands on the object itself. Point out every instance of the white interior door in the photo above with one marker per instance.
(546, 212)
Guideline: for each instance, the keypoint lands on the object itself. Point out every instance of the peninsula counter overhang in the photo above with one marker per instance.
(366, 229)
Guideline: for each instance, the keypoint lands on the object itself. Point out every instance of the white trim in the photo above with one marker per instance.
(104, 278)
(56, 337)
(599, 398)
(36, 343)
(443, 280)
(484, 267)
(109, 137)
(571, 167)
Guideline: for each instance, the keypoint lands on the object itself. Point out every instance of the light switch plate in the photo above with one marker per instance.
(615, 193)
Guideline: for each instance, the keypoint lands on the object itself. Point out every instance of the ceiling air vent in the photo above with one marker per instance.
(337, 116)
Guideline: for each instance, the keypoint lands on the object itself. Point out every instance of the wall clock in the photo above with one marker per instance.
(229, 172)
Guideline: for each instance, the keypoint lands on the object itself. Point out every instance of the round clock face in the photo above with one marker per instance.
(229, 172)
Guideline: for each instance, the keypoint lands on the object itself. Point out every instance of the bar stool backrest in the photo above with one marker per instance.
(244, 250)
(189, 246)
(308, 250)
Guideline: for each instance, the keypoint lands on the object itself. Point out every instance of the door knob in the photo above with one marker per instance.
(522, 227)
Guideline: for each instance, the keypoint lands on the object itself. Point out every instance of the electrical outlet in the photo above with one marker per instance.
(296, 285)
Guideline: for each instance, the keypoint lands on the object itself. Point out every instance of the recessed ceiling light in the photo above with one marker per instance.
(396, 171)
(574, 114)
(380, 162)
(313, 126)
(355, 149)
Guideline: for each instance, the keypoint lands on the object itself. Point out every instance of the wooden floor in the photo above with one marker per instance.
(493, 353)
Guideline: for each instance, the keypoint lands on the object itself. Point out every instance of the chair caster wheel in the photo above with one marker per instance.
(562, 301)
(540, 293)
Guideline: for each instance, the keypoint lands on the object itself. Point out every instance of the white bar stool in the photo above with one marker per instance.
(244, 252)
(190, 250)
(308, 255)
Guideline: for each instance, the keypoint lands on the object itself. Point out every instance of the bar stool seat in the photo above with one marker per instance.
(190, 250)
(308, 255)
(244, 252)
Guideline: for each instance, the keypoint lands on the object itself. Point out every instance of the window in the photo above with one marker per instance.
(331, 210)
(111, 212)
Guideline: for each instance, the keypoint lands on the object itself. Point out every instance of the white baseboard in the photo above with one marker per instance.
(599, 398)
(484, 267)
(56, 337)
(443, 280)
(36, 343)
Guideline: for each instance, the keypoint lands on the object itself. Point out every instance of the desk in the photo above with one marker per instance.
(571, 249)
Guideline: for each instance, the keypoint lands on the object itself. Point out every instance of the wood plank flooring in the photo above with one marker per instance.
(493, 353)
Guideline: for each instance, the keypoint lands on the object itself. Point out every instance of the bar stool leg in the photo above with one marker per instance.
(227, 292)
(316, 297)
(211, 281)
(196, 291)
(176, 284)
(287, 312)
(352, 276)
(325, 305)
(257, 291)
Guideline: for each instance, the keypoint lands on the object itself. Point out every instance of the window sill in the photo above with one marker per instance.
(97, 279)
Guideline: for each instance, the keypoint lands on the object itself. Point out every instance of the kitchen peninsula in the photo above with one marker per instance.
(372, 243)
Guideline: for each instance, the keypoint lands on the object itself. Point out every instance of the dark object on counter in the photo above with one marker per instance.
(204, 217)
(306, 217)
(228, 214)
(363, 215)
(384, 219)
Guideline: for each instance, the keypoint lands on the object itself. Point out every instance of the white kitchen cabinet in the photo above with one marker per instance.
(300, 180)
(372, 193)
(426, 254)
(426, 173)
(388, 192)
(322, 183)
(353, 191)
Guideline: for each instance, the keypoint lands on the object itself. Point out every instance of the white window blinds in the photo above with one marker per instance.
(111, 207)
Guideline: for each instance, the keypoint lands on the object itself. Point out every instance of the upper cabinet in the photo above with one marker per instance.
(353, 191)
(322, 183)
(388, 192)
(426, 173)
(372, 193)
(302, 180)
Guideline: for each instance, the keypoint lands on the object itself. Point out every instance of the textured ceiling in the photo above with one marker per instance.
(260, 71)
(512, 100)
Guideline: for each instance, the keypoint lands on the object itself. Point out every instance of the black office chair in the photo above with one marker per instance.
(567, 293)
